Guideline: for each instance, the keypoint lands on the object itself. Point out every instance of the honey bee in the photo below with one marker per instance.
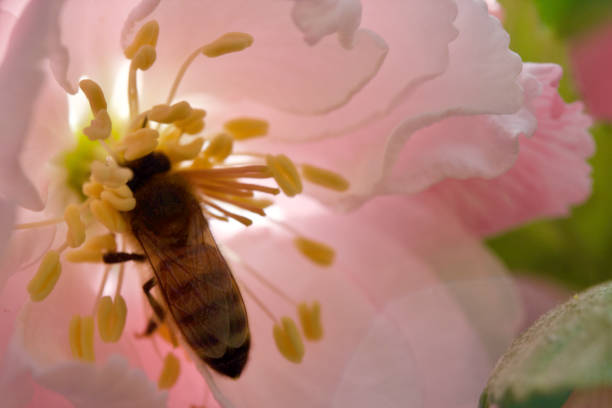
(197, 285)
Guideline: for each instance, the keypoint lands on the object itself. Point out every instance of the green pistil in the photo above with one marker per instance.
(78, 161)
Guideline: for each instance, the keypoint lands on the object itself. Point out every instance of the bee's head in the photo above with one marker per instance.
(146, 167)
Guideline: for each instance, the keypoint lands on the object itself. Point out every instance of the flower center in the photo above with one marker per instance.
(229, 186)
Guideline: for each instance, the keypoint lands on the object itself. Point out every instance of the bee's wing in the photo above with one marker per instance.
(198, 287)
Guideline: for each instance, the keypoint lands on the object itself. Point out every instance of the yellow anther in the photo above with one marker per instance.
(170, 372)
(288, 340)
(94, 95)
(219, 147)
(310, 319)
(227, 43)
(110, 174)
(100, 127)
(246, 128)
(324, 178)
(147, 35)
(139, 143)
(46, 277)
(177, 152)
(144, 58)
(108, 215)
(194, 123)
(119, 203)
(76, 229)
(170, 113)
(111, 318)
(284, 172)
(93, 249)
(81, 334)
(317, 252)
(92, 189)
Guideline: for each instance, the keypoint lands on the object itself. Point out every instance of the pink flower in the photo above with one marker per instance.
(420, 98)
(591, 58)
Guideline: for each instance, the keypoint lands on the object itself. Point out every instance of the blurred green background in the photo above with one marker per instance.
(575, 251)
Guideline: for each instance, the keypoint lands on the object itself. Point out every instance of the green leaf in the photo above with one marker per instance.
(571, 17)
(569, 348)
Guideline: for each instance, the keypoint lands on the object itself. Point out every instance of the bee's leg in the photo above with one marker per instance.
(158, 309)
(119, 257)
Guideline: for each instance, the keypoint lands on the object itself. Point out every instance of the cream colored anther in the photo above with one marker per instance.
(288, 340)
(109, 174)
(120, 198)
(246, 128)
(219, 148)
(227, 43)
(94, 95)
(100, 127)
(140, 143)
(170, 372)
(146, 35)
(194, 123)
(46, 277)
(170, 113)
(76, 229)
(285, 174)
(93, 249)
(317, 252)
(92, 189)
(81, 335)
(324, 178)
(178, 152)
(104, 212)
(111, 318)
(310, 319)
(144, 58)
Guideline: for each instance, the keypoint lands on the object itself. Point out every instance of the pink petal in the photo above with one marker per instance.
(550, 174)
(7, 20)
(280, 69)
(397, 286)
(591, 57)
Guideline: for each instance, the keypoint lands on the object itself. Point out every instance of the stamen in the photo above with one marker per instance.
(230, 42)
(233, 187)
(168, 335)
(288, 340)
(231, 172)
(110, 174)
(139, 143)
(100, 127)
(243, 220)
(146, 35)
(81, 334)
(219, 148)
(104, 212)
(324, 178)
(177, 152)
(46, 277)
(246, 128)
(143, 60)
(286, 175)
(111, 318)
(38, 224)
(76, 229)
(215, 216)
(92, 189)
(259, 303)
(227, 43)
(317, 252)
(107, 270)
(121, 198)
(310, 319)
(193, 124)
(94, 95)
(170, 372)
(170, 113)
(236, 203)
(93, 249)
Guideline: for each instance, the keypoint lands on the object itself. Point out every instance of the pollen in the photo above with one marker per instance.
(81, 334)
(288, 340)
(192, 124)
(170, 372)
(317, 252)
(93, 249)
(46, 277)
(147, 35)
(177, 152)
(76, 229)
(100, 127)
(94, 95)
(170, 113)
(219, 148)
(246, 128)
(285, 174)
(227, 43)
(144, 58)
(111, 318)
(139, 143)
(310, 320)
(108, 216)
(324, 178)
(110, 174)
